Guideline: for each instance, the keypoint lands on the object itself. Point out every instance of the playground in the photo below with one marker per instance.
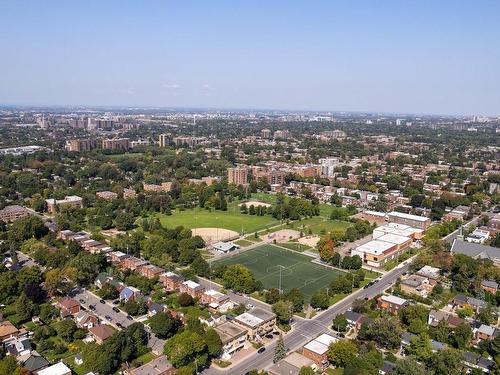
(267, 262)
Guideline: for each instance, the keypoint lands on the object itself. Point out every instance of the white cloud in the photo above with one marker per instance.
(172, 86)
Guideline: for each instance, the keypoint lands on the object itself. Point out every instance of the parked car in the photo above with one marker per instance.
(82, 301)
(261, 350)
(108, 318)
(102, 301)
(91, 307)
(119, 325)
(129, 317)
(116, 309)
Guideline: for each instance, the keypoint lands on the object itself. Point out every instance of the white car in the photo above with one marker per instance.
(250, 306)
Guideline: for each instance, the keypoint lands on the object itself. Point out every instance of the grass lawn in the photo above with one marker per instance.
(126, 155)
(231, 219)
(297, 270)
(329, 226)
(334, 371)
(295, 246)
(243, 243)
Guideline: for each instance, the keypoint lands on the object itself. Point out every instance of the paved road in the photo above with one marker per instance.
(305, 330)
(453, 235)
(103, 309)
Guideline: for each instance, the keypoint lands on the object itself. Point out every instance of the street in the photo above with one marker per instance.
(304, 330)
(103, 309)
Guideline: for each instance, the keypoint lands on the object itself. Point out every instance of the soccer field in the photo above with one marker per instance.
(297, 271)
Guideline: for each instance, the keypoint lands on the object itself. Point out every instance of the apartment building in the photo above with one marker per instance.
(317, 349)
(81, 145)
(171, 281)
(13, 213)
(233, 338)
(163, 140)
(257, 321)
(192, 288)
(187, 141)
(237, 176)
(122, 144)
(107, 195)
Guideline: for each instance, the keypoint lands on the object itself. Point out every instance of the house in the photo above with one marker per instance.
(192, 288)
(17, 346)
(58, 369)
(435, 316)
(475, 361)
(317, 349)
(476, 251)
(461, 301)
(233, 338)
(407, 337)
(257, 321)
(158, 366)
(291, 365)
(354, 319)
(68, 306)
(7, 330)
(489, 286)
(433, 274)
(150, 271)
(213, 298)
(484, 332)
(101, 332)
(416, 284)
(117, 256)
(212, 320)
(171, 281)
(86, 320)
(225, 247)
(478, 236)
(132, 263)
(102, 279)
(129, 293)
(32, 362)
(391, 304)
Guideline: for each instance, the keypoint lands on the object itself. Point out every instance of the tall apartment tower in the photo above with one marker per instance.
(265, 133)
(163, 140)
(237, 176)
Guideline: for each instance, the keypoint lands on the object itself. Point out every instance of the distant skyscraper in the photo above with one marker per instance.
(163, 140)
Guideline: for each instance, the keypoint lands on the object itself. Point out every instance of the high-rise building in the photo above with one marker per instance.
(265, 133)
(237, 176)
(281, 134)
(328, 166)
(116, 144)
(163, 140)
(79, 145)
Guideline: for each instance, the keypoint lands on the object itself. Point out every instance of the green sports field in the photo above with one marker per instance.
(297, 271)
(231, 219)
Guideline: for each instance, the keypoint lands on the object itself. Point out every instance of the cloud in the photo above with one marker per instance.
(171, 86)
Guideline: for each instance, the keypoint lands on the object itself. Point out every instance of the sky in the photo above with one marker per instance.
(422, 56)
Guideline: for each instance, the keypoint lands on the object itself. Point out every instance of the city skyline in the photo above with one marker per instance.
(397, 57)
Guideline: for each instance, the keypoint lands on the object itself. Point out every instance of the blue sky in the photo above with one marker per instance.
(417, 56)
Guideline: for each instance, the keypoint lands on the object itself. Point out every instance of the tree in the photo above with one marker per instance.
(461, 336)
(164, 325)
(124, 221)
(296, 297)
(408, 366)
(240, 279)
(446, 362)
(336, 260)
(185, 300)
(66, 329)
(186, 347)
(386, 331)
(339, 323)
(342, 352)
(55, 282)
(25, 309)
(272, 296)
(320, 300)
(214, 343)
(47, 313)
(280, 350)
(486, 315)
(108, 291)
(421, 347)
(28, 227)
(325, 247)
(283, 310)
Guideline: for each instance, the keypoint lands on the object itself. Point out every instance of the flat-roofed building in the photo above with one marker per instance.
(257, 321)
(233, 338)
(391, 304)
(399, 229)
(106, 195)
(13, 213)
(192, 288)
(237, 176)
(416, 221)
(375, 253)
(171, 280)
(68, 201)
(163, 140)
(317, 349)
(79, 145)
(122, 144)
(401, 242)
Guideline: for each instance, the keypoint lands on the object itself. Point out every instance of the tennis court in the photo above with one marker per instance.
(297, 271)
